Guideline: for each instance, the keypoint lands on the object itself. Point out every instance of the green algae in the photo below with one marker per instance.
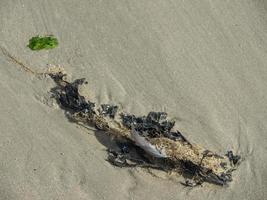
(45, 42)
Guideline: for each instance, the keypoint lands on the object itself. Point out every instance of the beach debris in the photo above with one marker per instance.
(155, 124)
(70, 97)
(234, 159)
(43, 42)
(108, 110)
(121, 159)
(147, 141)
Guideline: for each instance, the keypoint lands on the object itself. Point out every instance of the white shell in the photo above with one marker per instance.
(146, 146)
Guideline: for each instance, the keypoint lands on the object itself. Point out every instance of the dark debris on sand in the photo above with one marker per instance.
(155, 124)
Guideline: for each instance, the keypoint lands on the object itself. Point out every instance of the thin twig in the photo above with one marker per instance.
(16, 61)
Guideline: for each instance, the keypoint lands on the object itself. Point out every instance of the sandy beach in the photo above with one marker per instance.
(204, 63)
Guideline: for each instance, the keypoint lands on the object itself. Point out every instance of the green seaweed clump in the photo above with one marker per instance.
(46, 42)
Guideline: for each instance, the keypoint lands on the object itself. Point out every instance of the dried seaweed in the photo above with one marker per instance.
(108, 110)
(234, 159)
(68, 96)
(155, 124)
(146, 141)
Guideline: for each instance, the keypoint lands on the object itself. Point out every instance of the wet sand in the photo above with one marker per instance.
(202, 62)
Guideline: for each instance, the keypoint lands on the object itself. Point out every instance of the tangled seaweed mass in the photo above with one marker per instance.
(147, 141)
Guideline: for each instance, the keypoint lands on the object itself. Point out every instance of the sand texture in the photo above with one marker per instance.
(203, 62)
